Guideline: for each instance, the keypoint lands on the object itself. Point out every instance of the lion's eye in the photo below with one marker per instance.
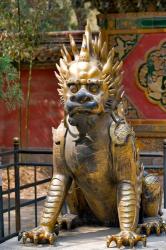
(73, 88)
(93, 88)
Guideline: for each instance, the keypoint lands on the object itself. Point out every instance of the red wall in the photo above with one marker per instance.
(45, 111)
(136, 57)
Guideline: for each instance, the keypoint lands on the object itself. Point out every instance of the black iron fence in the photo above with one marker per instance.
(17, 163)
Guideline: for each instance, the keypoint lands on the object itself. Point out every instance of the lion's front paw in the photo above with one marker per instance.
(153, 225)
(126, 238)
(41, 234)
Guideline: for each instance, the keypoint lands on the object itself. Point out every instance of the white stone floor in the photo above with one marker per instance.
(86, 238)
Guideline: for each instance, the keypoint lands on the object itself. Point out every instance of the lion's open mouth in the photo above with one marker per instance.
(78, 111)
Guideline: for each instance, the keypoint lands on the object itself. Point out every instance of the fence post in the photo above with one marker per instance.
(164, 166)
(17, 182)
(1, 208)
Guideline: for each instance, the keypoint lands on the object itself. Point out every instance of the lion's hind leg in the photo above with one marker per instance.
(151, 205)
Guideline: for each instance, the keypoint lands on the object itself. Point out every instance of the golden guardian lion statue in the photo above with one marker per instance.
(96, 163)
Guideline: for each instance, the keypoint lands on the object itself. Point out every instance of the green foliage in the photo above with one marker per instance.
(24, 23)
(36, 15)
(10, 91)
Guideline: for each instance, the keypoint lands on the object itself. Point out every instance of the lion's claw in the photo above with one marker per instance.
(126, 238)
(153, 225)
(52, 238)
(163, 229)
(24, 238)
(40, 234)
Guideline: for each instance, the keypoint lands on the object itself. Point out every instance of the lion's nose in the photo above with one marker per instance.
(81, 98)
(84, 99)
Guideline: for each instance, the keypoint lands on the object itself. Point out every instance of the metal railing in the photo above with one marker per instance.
(17, 163)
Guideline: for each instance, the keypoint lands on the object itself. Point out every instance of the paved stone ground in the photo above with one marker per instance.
(85, 238)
